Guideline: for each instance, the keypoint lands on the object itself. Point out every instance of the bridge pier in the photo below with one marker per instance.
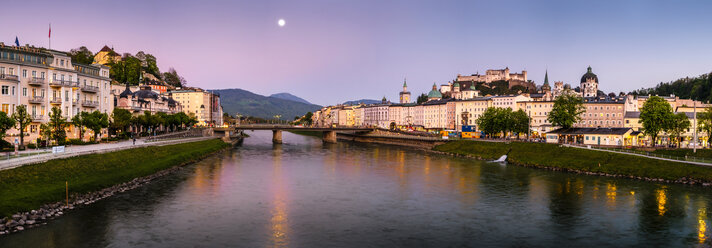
(277, 136)
(329, 137)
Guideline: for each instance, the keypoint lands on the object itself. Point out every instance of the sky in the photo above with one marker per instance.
(331, 51)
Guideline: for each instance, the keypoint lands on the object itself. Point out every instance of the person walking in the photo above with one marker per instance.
(134, 140)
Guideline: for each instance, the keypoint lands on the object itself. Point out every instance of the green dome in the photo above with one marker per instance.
(435, 94)
(456, 84)
(472, 87)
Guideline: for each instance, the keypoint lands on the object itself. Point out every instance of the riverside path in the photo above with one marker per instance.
(71, 151)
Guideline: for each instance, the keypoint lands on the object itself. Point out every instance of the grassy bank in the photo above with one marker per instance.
(551, 155)
(28, 187)
(317, 134)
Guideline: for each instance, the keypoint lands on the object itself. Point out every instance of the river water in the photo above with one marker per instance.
(307, 194)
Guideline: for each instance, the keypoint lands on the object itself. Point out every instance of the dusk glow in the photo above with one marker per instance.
(364, 48)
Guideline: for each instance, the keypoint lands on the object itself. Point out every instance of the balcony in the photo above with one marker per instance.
(55, 100)
(90, 104)
(8, 77)
(62, 83)
(35, 81)
(89, 88)
(37, 117)
(36, 99)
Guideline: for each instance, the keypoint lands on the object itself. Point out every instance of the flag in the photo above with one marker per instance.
(17, 42)
(50, 31)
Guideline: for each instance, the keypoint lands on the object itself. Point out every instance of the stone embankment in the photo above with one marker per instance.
(21, 221)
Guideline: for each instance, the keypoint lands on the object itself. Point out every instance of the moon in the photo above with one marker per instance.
(281, 22)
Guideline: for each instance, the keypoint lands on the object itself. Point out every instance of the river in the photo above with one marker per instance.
(307, 194)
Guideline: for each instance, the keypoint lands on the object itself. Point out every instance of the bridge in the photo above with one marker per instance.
(329, 133)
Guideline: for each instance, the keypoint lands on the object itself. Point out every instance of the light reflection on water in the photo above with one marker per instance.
(307, 194)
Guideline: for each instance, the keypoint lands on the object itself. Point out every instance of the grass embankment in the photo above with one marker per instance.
(577, 159)
(317, 134)
(30, 186)
(682, 152)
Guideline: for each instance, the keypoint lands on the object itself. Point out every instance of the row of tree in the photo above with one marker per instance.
(119, 123)
(495, 121)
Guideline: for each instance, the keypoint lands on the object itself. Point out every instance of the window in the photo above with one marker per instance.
(42, 75)
(5, 90)
(24, 91)
(54, 76)
(24, 73)
(61, 62)
(34, 74)
(13, 90)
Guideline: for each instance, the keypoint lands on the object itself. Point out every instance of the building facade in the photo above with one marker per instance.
(204, 105)
(40, 79)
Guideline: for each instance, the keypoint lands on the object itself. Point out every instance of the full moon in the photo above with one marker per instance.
(281, 22)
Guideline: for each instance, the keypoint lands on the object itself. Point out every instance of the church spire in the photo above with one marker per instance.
(546, 78)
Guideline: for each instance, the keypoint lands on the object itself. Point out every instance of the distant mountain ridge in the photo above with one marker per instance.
(287, 96)
(364, 101)
(250, 104)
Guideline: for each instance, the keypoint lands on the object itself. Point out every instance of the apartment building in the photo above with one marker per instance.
(202, 104)
(602, 111)
(467, 111)
(40, 79)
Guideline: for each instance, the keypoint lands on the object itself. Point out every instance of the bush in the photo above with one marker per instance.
(31, 146)
(5, 144)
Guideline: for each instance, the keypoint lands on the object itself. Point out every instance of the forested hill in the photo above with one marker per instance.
(696, 88)
(250, 104)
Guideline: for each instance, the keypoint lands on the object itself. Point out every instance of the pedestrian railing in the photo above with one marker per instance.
(11, 155)
(195, 132)
(653, 154)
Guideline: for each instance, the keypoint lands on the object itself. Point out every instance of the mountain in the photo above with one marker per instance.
(364, 101)
(695, 88)
(250, 104)
(287, 96)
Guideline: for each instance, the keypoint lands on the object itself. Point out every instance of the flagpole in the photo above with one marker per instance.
(49, 36)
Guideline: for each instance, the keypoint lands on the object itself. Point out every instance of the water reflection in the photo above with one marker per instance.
(279, 221)
(307, 194)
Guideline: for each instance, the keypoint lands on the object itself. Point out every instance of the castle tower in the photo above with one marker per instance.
(405, 95)
(589, 84)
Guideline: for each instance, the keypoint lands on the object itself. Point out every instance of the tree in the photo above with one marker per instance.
(566, 111)
(496, 120)
(56, 124)
(655, 115)
(704, 123)
(78, 122)
(172, 78)
(677, 125)
(96, 121)
(45, 132)
(6, 123)
(22, 119)
(82, 55)
(121, 119)
(308, 118)
(422, 98)
(520, 122)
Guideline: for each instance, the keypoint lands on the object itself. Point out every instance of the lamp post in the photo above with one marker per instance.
(694, 125)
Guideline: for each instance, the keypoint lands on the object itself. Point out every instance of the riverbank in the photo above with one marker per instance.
(576, 160)
(41, 187)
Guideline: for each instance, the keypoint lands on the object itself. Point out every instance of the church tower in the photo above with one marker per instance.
(546, 87)
(405, 95)
(589, 84)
